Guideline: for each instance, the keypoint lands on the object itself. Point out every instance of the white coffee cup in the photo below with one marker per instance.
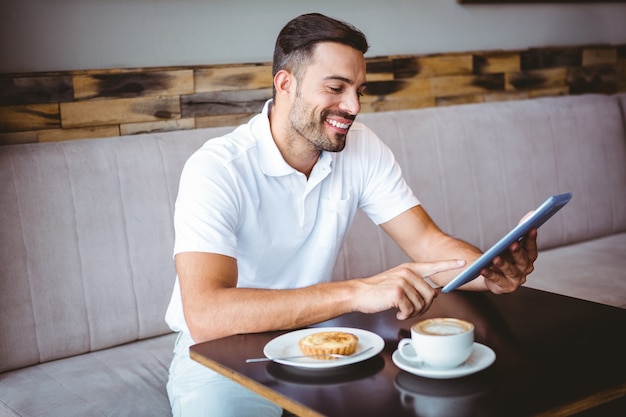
(441, 343)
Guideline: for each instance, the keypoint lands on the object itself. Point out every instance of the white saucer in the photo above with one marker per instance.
(482, 356)
(287, 345)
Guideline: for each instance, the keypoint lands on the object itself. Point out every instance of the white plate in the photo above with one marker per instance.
(482, 356)
(287, 345)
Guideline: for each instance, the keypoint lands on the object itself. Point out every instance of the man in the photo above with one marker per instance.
(262, 212)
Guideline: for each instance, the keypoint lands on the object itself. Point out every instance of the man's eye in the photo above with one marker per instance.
(335, 89)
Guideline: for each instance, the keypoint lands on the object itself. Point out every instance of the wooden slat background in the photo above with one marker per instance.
(70, 105)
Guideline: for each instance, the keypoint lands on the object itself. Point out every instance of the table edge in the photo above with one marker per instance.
(277, 398)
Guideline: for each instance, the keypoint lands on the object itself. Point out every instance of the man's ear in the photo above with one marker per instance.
(284, 82)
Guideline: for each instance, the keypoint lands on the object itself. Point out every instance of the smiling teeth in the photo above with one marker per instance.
(338, 124)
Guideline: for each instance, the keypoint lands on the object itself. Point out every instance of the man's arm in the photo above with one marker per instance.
(422, 240)
(214, 307)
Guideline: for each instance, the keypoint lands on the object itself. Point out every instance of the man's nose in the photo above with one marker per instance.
(351, 103)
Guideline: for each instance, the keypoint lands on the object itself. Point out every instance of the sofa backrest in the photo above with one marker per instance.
(86, 242)
(478, 168)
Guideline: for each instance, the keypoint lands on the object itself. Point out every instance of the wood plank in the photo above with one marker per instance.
(528, 80)
(35, 89)
(384, 104)
(396, 90)
(133, 84)
(29, 117)
(433, 66)
(466, 84)
(57, 135)
(160, 126)
(584, 80)
(379, 69)
(506, 96)
(224, 102)
(223, 120)
(457, 100)
(599, 56)
(17, 138)
(118, 111)
(537, 59)
(491, 63)
(548, 92)
(245, 77)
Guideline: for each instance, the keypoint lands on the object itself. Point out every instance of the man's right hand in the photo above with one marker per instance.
(403, 287)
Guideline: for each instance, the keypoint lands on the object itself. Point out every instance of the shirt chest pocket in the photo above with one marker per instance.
(333, 221)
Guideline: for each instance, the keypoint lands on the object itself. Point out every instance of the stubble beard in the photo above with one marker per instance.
(311, 126)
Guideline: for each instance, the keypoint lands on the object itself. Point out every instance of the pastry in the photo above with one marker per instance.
(322, 343)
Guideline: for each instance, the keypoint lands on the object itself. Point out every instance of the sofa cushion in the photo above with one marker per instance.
(127, 380)
(86, 242)
(591, 270)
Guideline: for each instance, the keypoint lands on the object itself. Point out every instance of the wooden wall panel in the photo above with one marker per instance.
(29, 117)
(160, 126)
(444, 65)
(223, 120)
(498, 62)
(466, 84)
(16, 138)
(233, 78)
(100, 103)
(599, 56)
(396, 90)
(537, 79)
(390, 104)
(35, 89)
(224, 102)
(123, 110)
(602, 80)
(536, 59)
(57, 135)
(139, 84)
(380, 69)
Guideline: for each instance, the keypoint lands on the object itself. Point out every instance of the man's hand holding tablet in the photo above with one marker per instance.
(536, 219)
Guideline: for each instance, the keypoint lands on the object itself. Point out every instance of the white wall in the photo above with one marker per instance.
(48, 35)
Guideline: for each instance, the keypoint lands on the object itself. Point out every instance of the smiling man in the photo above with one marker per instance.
(262, 212)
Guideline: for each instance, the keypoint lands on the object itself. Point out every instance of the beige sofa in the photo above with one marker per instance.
(86, 235)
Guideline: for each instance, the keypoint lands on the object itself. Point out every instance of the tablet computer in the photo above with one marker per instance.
(539, 217)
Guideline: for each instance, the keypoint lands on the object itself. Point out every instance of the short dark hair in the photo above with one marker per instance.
(296, 41)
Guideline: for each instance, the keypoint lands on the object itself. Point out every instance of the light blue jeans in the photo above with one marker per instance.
(195, 390)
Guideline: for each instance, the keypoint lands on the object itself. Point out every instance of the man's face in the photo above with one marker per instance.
(327, 96)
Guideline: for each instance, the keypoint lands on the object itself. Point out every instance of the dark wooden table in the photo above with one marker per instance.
(555, 356)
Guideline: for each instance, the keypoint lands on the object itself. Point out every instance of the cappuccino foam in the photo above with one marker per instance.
(442, 327)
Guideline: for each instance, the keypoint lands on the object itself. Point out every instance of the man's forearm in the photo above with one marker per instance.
(249, 310)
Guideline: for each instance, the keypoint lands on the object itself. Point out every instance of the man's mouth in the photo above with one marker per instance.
(345, 125)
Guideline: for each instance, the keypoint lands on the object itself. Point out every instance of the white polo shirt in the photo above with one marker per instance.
(238, 197)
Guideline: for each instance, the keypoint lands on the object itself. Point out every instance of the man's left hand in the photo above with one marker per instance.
(509, 270)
